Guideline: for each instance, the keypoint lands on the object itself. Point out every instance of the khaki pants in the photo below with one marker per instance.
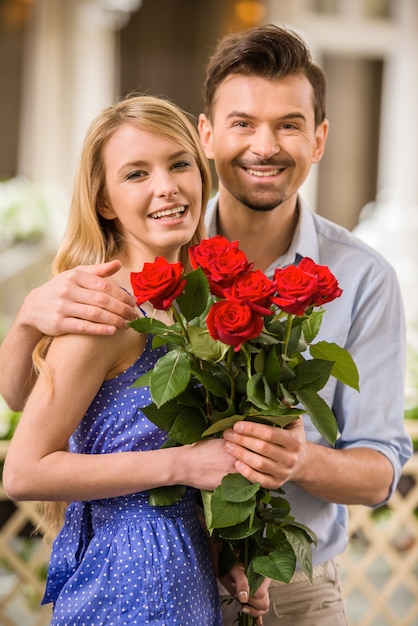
(300, 603)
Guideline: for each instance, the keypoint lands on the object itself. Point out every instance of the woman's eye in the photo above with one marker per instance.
(135, 174)
(181, 165)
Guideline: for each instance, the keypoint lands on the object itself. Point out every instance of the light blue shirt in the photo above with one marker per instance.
(367, 320)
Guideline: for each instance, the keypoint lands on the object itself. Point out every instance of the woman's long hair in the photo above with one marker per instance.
(91, 239)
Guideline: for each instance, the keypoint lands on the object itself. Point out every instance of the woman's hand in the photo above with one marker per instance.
(204, 464)
(236, 583)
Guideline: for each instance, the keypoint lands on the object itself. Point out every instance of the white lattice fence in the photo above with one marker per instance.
(380, 567)
(23, 561)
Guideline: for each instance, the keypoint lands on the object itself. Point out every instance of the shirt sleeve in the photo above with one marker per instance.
(374, 417)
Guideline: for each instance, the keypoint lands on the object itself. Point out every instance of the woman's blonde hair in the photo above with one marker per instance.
(89, 238)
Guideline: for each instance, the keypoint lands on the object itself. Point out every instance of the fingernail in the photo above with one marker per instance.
(243, 596)
(246, 610)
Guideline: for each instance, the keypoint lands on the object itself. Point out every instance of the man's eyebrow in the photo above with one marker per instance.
(289, 116)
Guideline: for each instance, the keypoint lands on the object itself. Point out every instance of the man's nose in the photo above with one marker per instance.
(265, 143)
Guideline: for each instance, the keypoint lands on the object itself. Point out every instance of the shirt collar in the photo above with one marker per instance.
(304, 242)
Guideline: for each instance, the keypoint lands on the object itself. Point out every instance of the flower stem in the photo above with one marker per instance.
(288, 331)
(178, 317)
(246, 620)
(229, 362)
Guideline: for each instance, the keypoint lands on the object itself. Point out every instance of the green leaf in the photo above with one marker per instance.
(163, 417)
(321, 415)
(165, 496)
(191, 397)
(311, 325)
(236, 488)
(170, 376)
(203, 346)
(295, 344)
(168, 339)
(279, 510)
(287, 398)
(259, 392)
(188, 426)
(149, 325)
(224, 514)
(254, 579)
(279, 564)
(210, 381)
(272, 369)
(259, 362)
(344, 368)
(206, 496)
(221, 425)
(301, 546)
(193, 301)
(240, 531)
(312, 374)
(144, 380)
(281, 420)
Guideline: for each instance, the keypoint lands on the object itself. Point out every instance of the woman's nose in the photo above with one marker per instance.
(166, 185)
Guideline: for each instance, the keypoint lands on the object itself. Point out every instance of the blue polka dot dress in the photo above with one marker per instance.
(119, 561)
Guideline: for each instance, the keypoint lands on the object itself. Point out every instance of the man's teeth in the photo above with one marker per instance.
(177, 212)
(262, 174)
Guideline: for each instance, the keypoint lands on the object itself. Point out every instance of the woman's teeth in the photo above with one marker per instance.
(169, 213)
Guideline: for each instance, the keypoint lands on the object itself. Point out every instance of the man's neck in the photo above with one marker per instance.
(264, 236)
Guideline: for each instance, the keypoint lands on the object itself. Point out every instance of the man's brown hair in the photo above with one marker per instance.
(269, 52)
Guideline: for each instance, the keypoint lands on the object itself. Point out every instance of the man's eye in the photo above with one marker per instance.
(289, 126)
(241, 124)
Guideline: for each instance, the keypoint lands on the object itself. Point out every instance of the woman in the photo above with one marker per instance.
(139, 190)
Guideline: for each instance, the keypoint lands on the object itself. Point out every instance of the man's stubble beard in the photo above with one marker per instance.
(260, 206)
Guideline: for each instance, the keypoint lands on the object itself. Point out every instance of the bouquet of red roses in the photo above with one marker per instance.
(241, 347)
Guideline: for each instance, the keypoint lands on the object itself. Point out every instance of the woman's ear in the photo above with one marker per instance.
(105, 210)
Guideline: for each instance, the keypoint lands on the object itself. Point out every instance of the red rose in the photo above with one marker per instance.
(159, 283)
(327, 289)
(221, 260)
(233, 322)
(295, 289)
(255, 289)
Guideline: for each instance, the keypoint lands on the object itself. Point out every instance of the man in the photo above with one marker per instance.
(264, 125)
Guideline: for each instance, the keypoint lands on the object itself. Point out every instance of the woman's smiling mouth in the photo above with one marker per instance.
(175, 212)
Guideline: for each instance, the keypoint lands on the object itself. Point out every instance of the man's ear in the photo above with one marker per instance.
(206, 135)
(321, 134)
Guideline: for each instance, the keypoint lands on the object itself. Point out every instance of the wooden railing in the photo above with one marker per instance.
(379, 569)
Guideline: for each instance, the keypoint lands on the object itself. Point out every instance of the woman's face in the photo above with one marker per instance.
(153, 191)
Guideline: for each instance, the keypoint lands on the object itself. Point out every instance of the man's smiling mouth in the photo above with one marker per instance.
(262, 174)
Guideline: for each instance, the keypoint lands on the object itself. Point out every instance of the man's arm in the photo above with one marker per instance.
(79, 301)
(274, 456)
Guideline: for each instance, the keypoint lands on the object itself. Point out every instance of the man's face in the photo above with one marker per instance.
(262, 138)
